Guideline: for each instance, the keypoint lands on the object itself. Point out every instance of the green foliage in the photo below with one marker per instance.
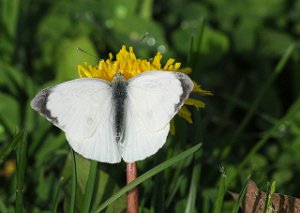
(268, 203)
(245, 52)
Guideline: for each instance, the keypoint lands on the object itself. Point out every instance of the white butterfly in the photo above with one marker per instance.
(107, 121)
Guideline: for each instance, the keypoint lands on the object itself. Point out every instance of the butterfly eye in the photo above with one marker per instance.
(180, 75)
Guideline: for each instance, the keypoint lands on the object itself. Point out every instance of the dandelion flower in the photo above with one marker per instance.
(129, 65)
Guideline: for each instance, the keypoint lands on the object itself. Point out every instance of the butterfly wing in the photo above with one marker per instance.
(82, 108)
(154, 97)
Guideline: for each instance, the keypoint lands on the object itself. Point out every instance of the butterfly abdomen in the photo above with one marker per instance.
(119, 99)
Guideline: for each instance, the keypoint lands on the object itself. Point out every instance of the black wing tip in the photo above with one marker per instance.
(39, 104)
(186, 83)
(187, 87)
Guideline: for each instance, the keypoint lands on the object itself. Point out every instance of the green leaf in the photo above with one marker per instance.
(119, 9)
(11, 146)
(68, 57)
(104, 185)
(214, 44)
(48, 148)
(221, 192)
(241, 195)
(74, 183)
(21, 169)
(131, 34)
(190, 206)
(268, 203)
(9, 112)
(9, 16)
(16, 80)
(90, 185)
(3, 207)
(274, 42)
(277, 70)
(57, 194)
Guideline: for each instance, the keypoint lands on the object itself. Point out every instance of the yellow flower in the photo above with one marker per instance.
(127, 63)
(8, 169)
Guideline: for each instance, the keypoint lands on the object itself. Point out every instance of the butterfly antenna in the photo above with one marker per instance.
(144, 36)
(140, 40)
(82, 50)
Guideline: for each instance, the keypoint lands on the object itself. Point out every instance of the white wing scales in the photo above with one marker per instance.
(154, 97)
(82, 109)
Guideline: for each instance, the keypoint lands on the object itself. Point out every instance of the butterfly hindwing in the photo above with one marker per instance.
(82, 109)
(154, 97)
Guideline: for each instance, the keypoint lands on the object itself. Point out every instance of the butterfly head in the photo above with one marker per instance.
(118, 77)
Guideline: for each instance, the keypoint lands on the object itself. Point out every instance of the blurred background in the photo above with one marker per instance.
(239, 50)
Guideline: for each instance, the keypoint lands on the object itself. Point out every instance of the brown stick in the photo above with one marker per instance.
(132, 195)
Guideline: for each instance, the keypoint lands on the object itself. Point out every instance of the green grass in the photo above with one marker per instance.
(241, 196)
(277, 70)
(161, 167)
(221, 192)
(5, 152)
(268, 203)
(90, 185)
(21, 170)
(246, 54)
(74, 183)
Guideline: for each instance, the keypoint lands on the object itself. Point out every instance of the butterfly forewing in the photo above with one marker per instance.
(82, 109)
(154, 97)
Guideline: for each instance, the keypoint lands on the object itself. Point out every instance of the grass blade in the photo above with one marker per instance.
(10, 147)
(270, 191)
(285, 119)
(147, 175)
(177, 179)
(3, 208)
(57, 194)
(279, 67)
(193, 189)
(221, 192)
(241, 196)
(195, 51)
(21, 165)
(87, 200)
(74, 183)
(174, 190)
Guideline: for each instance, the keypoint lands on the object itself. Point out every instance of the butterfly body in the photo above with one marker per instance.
(122, 119)
(119, 99)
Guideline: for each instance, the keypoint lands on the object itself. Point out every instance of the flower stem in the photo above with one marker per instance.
(132, 195)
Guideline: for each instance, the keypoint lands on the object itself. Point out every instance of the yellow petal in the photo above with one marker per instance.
(169, 63)
(196, 103)
(172, 127)
(186, 114)
(83, 72)
(156, 61)
(186, 70)
(197, 89)
(177, 66)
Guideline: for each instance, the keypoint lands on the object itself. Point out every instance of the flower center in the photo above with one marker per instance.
(125, 63)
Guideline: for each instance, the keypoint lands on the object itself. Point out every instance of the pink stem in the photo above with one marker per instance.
(132, 195)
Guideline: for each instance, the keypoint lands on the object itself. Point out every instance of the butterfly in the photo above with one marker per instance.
(122, 119)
